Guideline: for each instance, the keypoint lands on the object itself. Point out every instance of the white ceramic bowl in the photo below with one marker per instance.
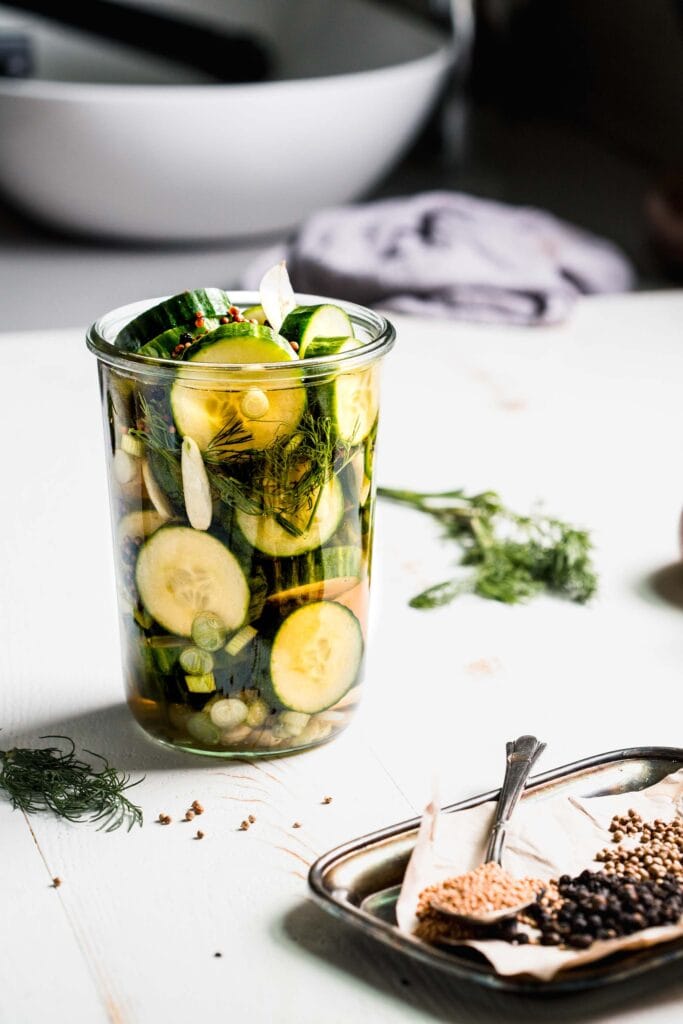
(109, 143)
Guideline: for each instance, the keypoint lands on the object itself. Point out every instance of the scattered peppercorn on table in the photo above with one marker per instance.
(203, 913)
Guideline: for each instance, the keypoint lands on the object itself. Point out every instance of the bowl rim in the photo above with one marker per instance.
(442, 55)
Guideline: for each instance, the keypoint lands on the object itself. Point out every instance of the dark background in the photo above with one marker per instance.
(574, 105)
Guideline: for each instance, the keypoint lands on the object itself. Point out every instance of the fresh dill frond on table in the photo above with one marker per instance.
(511, 557)
(52, 779)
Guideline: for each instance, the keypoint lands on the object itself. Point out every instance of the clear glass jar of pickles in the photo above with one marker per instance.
(240, 457)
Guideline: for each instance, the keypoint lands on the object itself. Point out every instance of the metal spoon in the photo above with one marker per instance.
(521, 755)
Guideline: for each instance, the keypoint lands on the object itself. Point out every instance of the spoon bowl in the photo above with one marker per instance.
(484, 918)
(521, 756)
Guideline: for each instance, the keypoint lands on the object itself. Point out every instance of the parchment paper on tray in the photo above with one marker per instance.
(546, 838)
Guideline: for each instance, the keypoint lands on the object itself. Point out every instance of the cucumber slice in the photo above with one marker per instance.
(164, 345)
(316, 657)
(256, 313)
(370, 446)
(324, 573)
(255, 416)
(139, 525)
(352, 477)
(181, 572)
(310, 527)
(242, 342)
(352, 398)
(357, 486)
(177, 311)
(307, 322)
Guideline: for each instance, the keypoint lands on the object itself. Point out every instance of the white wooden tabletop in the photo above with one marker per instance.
(586, 416)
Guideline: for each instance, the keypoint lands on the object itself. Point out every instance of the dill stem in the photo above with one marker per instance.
(424, 502)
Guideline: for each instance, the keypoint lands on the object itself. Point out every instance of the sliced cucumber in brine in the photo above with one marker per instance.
(139, 524)
(242, 342)
(316, 657)
(247, 417)
(370, 445)
(181, 572)
(308, 528)
(165, 344)
(324, 573)
(352, 398)
(357, 484)
(177, 311)
(256, 313)
(307, 322)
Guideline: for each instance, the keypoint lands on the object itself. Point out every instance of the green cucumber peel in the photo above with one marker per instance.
(176, 311)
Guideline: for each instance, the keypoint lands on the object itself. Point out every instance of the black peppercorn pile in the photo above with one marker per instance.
(598, 906)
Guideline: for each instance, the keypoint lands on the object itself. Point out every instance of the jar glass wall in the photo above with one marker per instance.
(242, 501)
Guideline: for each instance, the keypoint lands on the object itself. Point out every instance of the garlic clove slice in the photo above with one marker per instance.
(196, 489)
(277, 295)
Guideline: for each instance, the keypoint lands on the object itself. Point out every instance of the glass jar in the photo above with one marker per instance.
(242, 501)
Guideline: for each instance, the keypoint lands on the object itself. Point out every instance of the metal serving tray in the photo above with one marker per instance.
(359, 882)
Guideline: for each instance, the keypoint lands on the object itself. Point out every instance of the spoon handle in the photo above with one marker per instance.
(521, 755)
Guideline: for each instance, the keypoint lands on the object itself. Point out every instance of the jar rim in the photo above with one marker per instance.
(378, 332)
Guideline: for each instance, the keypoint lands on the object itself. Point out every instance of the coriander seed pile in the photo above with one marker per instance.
(487, 888)
(656, 852)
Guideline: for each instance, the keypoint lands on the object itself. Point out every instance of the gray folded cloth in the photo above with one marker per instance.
(450, 254)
